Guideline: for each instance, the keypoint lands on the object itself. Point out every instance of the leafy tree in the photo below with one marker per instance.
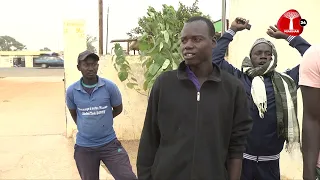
(159, 43)
(90, 41)
(182, 14)
(45, 49)
(8, 43)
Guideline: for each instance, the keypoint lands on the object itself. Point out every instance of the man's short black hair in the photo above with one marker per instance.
(209, 23)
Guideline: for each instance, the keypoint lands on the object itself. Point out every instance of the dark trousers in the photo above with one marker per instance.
(113, 155)
(263, 170)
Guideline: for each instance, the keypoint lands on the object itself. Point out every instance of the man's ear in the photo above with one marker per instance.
(78, 67)
(214, 42)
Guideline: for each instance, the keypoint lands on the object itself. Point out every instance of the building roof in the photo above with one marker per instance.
(23, 53)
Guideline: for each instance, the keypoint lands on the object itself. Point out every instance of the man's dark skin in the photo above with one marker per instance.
(196, 40)
(310, 131)
(89, 70)
(262, 52)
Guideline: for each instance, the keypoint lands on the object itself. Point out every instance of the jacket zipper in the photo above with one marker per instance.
(195, 138)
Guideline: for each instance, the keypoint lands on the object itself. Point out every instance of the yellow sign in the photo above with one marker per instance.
(74, 28)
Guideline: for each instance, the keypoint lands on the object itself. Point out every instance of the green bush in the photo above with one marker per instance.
(158, 36)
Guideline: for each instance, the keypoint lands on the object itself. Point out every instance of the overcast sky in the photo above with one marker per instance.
(39, 23)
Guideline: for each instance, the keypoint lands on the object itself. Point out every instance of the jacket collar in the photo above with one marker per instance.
(182, 73)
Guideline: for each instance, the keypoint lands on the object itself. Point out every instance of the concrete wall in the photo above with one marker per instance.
(6, 61)
(5, 57)
(129, 123)
(262, 14)
(74, 43)
(29, 61)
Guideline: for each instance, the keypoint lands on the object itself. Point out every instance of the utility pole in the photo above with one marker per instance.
(107, 36)
(223, 19)
(100, 27)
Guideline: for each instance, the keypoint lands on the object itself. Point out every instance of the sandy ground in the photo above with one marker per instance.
(132, 149)
(32, 126)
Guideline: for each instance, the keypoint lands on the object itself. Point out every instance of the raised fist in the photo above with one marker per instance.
(239, 24)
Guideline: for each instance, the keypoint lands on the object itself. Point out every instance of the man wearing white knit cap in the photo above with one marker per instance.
(272, 97)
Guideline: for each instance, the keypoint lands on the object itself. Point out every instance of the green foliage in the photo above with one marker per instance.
(182, 14)
(8, 43)
(123, 68)
(90, 41)
(159, 42)
(45, 49)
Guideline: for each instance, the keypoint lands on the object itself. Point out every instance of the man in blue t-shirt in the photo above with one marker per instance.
(93, 102)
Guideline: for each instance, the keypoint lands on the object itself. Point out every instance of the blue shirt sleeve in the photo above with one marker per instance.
(115, 95)
(69, 98)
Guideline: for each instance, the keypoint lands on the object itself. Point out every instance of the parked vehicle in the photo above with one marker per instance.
(46, 61)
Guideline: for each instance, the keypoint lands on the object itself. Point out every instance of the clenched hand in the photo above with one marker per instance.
(238, 25)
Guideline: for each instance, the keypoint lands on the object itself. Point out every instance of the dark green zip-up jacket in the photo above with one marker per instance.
(190, 134)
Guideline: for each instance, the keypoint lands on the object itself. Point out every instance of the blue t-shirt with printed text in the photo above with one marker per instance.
(94, 111)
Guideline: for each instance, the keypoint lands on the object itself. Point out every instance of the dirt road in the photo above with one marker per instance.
(32, 124)
(31, 72)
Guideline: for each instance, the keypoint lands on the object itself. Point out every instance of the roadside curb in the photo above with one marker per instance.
(104, 174)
